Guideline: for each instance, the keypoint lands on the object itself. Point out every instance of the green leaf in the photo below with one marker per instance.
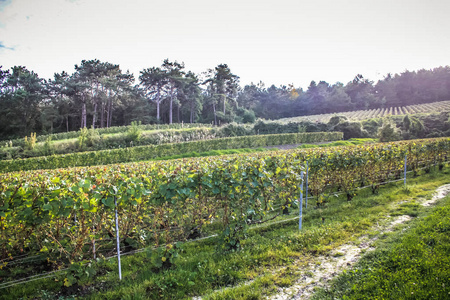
(109, 202)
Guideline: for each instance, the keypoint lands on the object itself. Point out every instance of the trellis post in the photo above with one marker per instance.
(306, 192)
(300, 202)
(404, 175)
(117, 239)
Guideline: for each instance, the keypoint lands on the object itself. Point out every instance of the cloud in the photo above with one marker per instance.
(4, 3)
(2, 46)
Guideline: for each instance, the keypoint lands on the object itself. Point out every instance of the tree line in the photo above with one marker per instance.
(99, 94)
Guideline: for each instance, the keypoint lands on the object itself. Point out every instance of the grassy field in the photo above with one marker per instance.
(276, 254)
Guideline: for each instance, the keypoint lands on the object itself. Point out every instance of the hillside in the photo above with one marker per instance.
(359, 115)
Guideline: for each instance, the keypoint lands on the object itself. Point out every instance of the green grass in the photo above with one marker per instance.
(415, 265)
(270, 258)
(216, 153)
(349, 142)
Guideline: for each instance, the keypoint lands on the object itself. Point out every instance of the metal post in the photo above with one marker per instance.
(306, 194)
(93, 242)
(404, 176)
(300, 202)
(117, 240)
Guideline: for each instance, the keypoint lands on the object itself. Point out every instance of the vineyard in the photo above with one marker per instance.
(63, 216)
(106, 131)
(138, 153)
(359, 115)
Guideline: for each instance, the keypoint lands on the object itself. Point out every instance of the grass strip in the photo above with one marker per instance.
(349, 142)
(411, 265)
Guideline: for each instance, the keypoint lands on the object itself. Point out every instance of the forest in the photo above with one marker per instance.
(99, 94)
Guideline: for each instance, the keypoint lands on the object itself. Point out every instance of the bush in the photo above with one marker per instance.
(371, 126)
(389, 131)
(351, 130)
(47, 148)
(272, 127)
(335, 120)
(234, 129)
(30, 143)
(88, 138)
(249, 117)
(134, 132)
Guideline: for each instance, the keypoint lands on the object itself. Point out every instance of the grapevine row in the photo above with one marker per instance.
(68, 214)
(122, 155)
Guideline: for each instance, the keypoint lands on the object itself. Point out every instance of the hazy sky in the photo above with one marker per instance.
(277, 41)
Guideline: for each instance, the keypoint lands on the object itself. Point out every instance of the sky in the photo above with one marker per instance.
(277, 42)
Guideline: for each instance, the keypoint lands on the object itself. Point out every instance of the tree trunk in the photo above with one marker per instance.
(102, 115)
(108, 110)
(110, 115)
(224, 101)
(178, 113)
(170, 110)
(214, 110)
(171, 107)
(94, 117)
(83, 116)
(158, 101)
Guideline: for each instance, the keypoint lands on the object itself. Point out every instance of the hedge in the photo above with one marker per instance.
(139, 153)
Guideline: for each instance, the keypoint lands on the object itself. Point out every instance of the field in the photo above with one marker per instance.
(242, 206)
(359, 115)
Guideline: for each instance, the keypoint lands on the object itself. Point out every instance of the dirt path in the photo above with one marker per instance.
(324, 268)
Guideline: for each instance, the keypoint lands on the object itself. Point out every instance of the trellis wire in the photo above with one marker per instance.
(54, 273)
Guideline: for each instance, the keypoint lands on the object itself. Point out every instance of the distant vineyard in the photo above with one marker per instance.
(359, 115)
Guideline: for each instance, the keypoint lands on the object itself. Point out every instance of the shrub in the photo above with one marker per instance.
(389, 131)
(134, 133)
(371, 126)
(88, 138)
(234, 129)
(30, 143)
(47, 148)
(351, 130)
(249, 116)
